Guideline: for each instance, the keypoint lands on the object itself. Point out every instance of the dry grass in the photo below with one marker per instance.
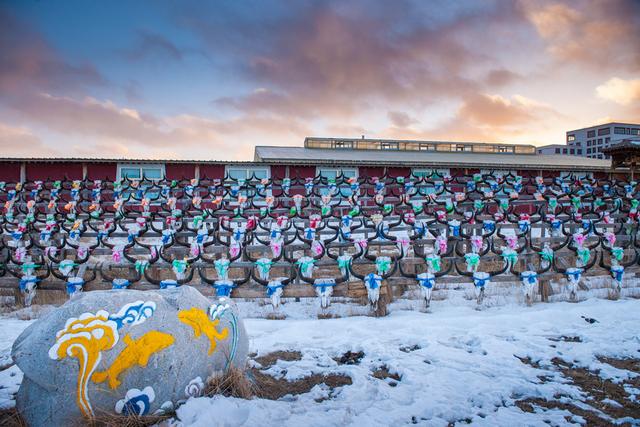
(271, 358)
(268, 387)
(382, 373)
(598, 393)
(115, 420)
(11, 418)
(233, 383)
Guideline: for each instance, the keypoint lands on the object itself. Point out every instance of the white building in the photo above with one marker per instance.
(589, 142)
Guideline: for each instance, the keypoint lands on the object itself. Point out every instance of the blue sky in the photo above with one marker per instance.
(211, 80)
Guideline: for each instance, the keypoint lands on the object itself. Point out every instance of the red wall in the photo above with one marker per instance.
(370, 172)
(9, 171)
(212, 171)
(278, 171)
(302, 171)
(58, 170)
(180, 171)
(103, 171)
(398, 171)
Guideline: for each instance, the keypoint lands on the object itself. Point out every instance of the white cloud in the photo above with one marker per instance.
(620, 91)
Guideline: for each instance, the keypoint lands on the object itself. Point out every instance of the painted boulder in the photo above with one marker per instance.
(124, 352)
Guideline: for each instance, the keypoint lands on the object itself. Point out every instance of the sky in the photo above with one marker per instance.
(210, 80)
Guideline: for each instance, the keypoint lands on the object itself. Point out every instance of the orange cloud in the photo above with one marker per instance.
(620, 91)
(595, 32)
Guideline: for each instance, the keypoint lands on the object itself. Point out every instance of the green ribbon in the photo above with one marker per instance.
(634, 203)
(547, 254)
(306, 263)
(222, 266)
(576, 202)
(383, 264)
(553, 202)
(355, 211)
(387, 208)
(29, 266)
(448, 205)
(293, 210)
(617, 252)
(472, 259)
(264, 266)
(141, 265)
(197, 220)
(478, 205)
(344, 263)
(510, 256)
(584, 254)
(179, 266)
(325, 210)
(434, 262)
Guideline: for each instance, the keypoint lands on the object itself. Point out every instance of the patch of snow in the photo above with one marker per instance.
(465, 368)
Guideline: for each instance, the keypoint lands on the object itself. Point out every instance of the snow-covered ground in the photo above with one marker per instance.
(456, 365)
(464, 369)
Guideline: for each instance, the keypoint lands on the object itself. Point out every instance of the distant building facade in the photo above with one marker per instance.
(590, 141)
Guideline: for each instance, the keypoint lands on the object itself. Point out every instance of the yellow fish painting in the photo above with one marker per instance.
(201, 324)
(135, 352)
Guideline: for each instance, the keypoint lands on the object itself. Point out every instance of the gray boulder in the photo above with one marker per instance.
(124, 352)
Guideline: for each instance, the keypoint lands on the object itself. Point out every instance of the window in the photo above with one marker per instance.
(635, 131)
(343, 144)
(139, 171)
(247, 172)
(463, 147)
(591, 134)
(599, 141)
(333, 173)
(427, 147)
(604, 131)
(429, 172)
(564, 151)
(571, 138)
(618, 130)
(504, 149)
(557, 151)
(607, 140)
(498, 173)
(389, 146)
(572, 151)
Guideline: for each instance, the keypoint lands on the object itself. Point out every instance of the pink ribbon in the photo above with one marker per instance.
(116, 254)
(512, 242)
(611, 238)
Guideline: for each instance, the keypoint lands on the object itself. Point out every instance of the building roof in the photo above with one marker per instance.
(415, 145)
(630, 144)
(604, 125)
(301, 155)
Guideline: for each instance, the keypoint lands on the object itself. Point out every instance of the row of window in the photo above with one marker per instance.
(598, 141)
(569, 151)
(619, 130)
(156, 171)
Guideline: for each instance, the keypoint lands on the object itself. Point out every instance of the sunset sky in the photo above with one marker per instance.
(154, 79)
